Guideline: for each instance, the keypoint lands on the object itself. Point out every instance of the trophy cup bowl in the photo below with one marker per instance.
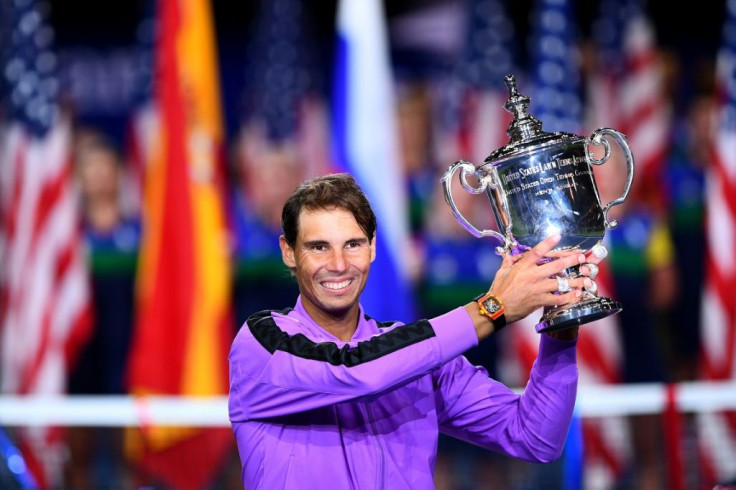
(539, 184)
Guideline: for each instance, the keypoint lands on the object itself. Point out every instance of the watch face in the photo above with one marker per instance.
(492, 305)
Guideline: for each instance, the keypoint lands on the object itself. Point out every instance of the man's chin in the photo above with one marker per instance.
(338, 312)
(341, 309)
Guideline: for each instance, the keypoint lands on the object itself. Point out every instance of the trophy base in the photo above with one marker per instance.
(573, 315)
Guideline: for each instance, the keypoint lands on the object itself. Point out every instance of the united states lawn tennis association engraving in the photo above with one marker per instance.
(545, 177)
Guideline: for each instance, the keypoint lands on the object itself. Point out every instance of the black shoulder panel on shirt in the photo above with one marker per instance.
(272, 338)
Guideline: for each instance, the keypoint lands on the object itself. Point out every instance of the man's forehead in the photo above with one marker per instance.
(334, 212)
(333, 221)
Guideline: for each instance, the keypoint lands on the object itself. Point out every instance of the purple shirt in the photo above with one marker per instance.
(309, 410)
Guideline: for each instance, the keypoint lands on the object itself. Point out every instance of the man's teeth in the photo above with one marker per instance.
(336, 285)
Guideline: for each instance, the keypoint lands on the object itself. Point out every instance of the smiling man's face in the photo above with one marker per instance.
(331, 260)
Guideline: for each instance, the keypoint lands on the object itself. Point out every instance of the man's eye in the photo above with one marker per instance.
(354, 244)
(319, 248)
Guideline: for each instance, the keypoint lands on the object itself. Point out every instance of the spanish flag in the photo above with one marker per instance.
(183, 331)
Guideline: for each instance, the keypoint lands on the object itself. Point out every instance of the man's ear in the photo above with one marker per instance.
(373, 247)
(287, 253)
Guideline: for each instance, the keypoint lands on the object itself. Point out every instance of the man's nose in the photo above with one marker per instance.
(337, 260)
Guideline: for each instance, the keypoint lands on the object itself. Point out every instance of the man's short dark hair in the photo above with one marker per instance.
(329, 191)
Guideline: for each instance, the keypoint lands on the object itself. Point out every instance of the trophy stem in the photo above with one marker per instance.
(576, 314)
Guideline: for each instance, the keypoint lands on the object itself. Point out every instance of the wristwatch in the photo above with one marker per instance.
(492, 308)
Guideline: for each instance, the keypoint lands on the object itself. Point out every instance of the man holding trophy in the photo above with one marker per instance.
(323, 393)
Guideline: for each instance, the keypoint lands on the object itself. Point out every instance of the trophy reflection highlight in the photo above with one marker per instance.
(542, 183)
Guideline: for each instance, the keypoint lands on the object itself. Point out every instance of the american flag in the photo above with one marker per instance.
(645, 114)
(44, 291)
(718, 430)
(284, 101)
(472, 120)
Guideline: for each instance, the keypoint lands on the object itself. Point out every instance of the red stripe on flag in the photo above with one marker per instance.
(596, 447)
(723, 179)
(593, 357)
(640, 114)
(527, 354)
(723, 288)
(465, 131)
(9, 222)
(30, 372)
(52, 193)
(79, 333)
(641, 60)
(673, 438)
(79, 329)
(11, 215)
(707, 467)
(33, 462)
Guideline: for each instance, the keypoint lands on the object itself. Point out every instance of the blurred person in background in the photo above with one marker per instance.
(644, 280)
(685, 184)
(266, 174)
(112, 240)
(414, 122)
(414, 118)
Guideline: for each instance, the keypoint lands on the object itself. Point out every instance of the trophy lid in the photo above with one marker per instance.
(525, 131)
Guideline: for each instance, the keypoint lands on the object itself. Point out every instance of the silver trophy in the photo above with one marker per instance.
(542, 183)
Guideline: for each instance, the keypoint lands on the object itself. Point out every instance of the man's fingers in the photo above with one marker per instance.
(557, 285)
(515, 258)
(563, 299)
(590, 270)
(558, 254)
(542, 248)
(558, 265)
(596, 254)
(508, 259)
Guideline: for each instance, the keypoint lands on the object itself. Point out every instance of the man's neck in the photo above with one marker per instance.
(341, 325)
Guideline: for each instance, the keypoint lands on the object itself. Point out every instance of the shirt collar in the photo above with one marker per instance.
(362, 331)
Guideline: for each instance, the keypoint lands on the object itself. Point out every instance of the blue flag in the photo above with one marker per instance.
(365, 145)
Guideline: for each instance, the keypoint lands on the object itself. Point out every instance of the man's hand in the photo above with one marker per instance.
(589, 269)
(527, 282)
(524, 284)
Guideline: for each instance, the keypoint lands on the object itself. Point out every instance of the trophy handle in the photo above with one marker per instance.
(485, 182)
(597, 138)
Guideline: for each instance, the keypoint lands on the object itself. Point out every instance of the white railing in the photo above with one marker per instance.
(129, 411)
